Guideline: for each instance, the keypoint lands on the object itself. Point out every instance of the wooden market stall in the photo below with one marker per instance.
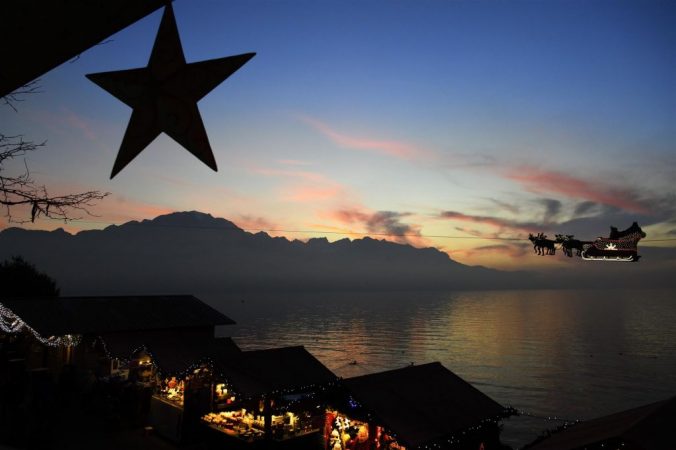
(125, 344)
(647, 427)
(179, 371)
(280, 398)
(62, 331)
(425, 406)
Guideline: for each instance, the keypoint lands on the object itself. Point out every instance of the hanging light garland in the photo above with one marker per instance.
(10, 323)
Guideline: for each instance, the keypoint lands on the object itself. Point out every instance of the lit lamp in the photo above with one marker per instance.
(221, 391)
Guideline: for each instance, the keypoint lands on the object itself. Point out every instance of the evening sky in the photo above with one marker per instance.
(422, 118)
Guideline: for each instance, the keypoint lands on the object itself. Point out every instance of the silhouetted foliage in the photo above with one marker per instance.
(19, 278)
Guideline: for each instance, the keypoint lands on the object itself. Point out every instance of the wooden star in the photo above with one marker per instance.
(164, 95)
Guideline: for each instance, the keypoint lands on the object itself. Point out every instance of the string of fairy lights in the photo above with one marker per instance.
(11, 323)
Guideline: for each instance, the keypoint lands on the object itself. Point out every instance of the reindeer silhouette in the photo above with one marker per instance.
(542, 245)
(568, 244)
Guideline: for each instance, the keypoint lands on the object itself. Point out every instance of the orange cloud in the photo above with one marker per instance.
(506, 256)
(509, 250)
(119, 209)
(330, 229)
(256, 224)
(539, 181)
(395, 149)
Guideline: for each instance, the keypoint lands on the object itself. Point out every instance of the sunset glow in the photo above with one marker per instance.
(347, 128)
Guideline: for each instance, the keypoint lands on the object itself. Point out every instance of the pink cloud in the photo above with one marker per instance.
(395, 149)
(314, 177)
(539, 180)
(294, 162)
(381, 224)
(349, 215)
(492, 221)
(255, 224)
(63, 121)
(304, 194)
(308, 187)
(77, 122)
(176, 181)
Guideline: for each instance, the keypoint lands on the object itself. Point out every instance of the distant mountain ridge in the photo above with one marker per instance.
(194, 252)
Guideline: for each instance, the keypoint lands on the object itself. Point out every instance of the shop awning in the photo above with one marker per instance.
(173, 353)
(278, 370)
(422, 403)
(58, 316)
(647, 427)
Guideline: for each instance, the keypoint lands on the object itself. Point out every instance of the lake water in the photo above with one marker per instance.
(570, 354)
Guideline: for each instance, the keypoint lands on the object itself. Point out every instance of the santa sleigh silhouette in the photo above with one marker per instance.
(619, 246)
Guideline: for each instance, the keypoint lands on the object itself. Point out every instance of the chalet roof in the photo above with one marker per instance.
(174, 352)
(422, 403)
(280, 369)
(647, 427)
(54, 316)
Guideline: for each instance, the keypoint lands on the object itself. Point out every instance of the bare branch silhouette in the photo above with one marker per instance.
(15, 97)
(21, 192)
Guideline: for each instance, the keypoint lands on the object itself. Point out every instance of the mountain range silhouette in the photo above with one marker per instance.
(195, 252)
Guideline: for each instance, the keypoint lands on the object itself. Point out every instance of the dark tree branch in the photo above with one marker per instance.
(15, 97)
(17, 191)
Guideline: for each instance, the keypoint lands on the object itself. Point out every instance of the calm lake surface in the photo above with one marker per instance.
(570, 354)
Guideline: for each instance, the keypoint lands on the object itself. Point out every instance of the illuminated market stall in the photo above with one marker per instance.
(279, 398)
(416, 407)
(132, 344)
(180, 373)
(341, 432)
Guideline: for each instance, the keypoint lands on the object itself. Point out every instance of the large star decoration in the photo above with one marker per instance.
(164, 95)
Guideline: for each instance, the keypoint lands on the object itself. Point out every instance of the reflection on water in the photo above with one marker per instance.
(572, 354)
